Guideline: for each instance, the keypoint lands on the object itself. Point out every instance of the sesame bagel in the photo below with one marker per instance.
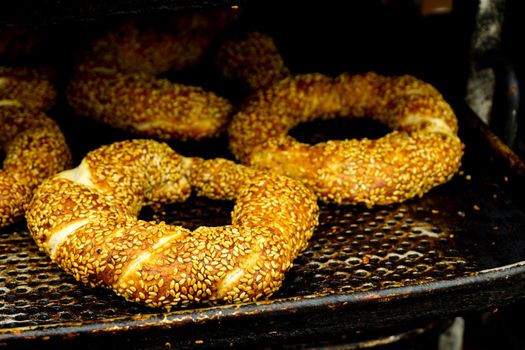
(252, 58)
(30, 87)
(116, 80)
(34, 149)
(149, 106)
(155, 45)
(86, 220)
(421, 152)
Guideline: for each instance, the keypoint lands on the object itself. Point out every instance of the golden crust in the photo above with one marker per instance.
(34, 150)
(423, 151)
(155, 46)
(148, 106)
(252, 58)
(30, 87)
(115, 80)
(85, 218)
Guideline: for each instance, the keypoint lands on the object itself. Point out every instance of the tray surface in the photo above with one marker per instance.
(446, 238)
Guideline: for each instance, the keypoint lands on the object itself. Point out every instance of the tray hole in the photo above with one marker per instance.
(43, 316)
(400, 251)
(340, 275)
(33, 296)
(67, 316)
(361, 273)
(422, 267)
(22, 317)
(319, 277)
(322, 259)
(333, 264)
(368, 286)
(428, 260)
(393, 257)
(375, 279)
(381, 271)
(21, 303)
(354, 261)
(401, 269)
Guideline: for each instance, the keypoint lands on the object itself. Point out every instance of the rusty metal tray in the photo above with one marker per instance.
(458, 249)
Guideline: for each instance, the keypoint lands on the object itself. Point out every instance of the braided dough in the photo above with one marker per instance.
(421, 152)
(34, 150)
(86, 220)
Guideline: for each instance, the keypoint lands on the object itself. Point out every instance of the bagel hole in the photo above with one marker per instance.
(339, 128)
(194, 212)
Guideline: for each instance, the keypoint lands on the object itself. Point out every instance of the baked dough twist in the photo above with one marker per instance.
(421, 152)
(86, 219)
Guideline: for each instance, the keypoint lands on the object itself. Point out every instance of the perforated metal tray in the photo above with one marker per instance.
(458, 249)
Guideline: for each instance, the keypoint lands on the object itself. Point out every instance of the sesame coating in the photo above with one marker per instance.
(252, 58)
(421, 152)
(155, 46)
(148, 106)
(29, 86)
(86, 219)
(34, 150)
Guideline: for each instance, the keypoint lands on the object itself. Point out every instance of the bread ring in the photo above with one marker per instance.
(156, 45)
(422, 151)
(115, 82)
(86, 220)
(148, 106)
(31, 87)
(252, 58)
(34, 150)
